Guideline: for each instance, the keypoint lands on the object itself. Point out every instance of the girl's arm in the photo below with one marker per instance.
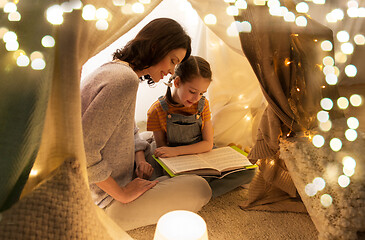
(203, 146)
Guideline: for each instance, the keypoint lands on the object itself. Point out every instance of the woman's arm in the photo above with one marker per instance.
(203, 146)
(126, 194)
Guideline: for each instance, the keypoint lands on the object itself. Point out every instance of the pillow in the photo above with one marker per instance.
(60, 208)
(337, 212)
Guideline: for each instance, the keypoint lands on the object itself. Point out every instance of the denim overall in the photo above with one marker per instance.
(185, 130)
(181, 129)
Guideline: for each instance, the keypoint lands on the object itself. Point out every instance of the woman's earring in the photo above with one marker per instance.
(147, 78)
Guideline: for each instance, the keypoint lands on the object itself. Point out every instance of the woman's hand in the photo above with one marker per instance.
(144, 169)
(166, 152)
(135, 189)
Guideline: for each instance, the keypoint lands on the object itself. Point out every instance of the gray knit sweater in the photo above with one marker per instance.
(108, 97)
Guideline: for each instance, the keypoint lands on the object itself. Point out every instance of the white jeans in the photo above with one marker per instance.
(186, 192)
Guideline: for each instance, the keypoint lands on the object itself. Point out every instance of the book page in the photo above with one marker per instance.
(184, 163)
(226, 158)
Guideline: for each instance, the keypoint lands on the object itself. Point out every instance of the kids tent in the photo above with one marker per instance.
(281, 61)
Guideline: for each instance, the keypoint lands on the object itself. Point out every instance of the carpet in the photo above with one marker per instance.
(225, 220)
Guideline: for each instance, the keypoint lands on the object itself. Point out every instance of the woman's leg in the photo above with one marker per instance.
(186, 192)
(230, 182)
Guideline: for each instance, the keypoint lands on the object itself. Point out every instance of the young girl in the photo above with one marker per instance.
(181, 120)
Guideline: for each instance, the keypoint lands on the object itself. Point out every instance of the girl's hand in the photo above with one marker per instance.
(135, 189)
(144, 169)
(166, 152)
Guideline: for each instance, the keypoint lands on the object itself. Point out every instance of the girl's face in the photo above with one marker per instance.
(189, 93)
(167, 64)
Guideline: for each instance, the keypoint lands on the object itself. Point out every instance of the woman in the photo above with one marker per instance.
(114, 150)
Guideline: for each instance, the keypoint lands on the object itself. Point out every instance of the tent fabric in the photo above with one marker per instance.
(285, 60)
(53, 125)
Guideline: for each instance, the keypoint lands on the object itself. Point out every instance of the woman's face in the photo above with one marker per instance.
(167, 64)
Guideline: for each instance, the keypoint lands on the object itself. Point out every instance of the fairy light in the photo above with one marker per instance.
(259, 2)
(232, 10)
(119, 3)
(347, 48)
(343, 36)
(241, 4)
(302, 7)
(10, 7)
(343, 181)
(319, 2)
(22, 61)
(127, 9)
(319, 183)
(232, 29)
(36, 54)
(336, 144)
(137, 7)
(14, 17)
(88, 12)
(353, 123)
(38, 64)
(310, 189)
(356, 100)
(351, 70)
(101, 13)
(328, 61)
(326, 45)
(359, 39)
(326, 200)
(210, 19)
(54, 15)
(342, 103)
(67, 7)
(48, 41)
(318, 141)
(325, 126)
(289, 17)
(323, 116)
(326, 104)
(340, 57)
(351, 135)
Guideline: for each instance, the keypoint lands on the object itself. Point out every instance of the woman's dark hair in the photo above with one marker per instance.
(153, 43)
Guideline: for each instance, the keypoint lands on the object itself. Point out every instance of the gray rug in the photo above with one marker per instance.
(225, 220)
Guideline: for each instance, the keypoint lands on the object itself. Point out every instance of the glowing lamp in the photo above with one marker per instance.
(181, 225)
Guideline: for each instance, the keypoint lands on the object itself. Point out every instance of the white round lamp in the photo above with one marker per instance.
(181, 225)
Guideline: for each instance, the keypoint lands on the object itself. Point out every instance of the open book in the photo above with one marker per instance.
(218, 162)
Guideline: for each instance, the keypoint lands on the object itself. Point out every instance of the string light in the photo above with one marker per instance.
(356, 100)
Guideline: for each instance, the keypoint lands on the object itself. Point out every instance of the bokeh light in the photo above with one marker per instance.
(55, 15)
(326, 200)
(302, 7)
(336, 144)
(210, 19)
(318, 141)
(138, 7)
(48, 41)
(356, 100)
(310, 189)
(351, 70)
(351, 135)
(347, 48)
(322, 116)
(88, 12)
(353, 123)
(331, 79)
(301, 21)
(328, 61)
(342, 103)
(325, 126)
(326, 104)
(343, 181)
(343, 36)
(359, 39)
(349, 162)
(38, 64)
(326, 45)
(22, 61)
(319, 183)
